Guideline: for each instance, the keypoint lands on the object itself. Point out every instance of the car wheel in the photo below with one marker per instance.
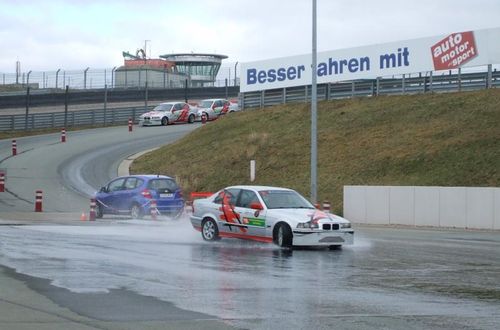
(136, 211)
(283, 236)
(191, 119)
(209, 230)
(99, 211)
(164, 121)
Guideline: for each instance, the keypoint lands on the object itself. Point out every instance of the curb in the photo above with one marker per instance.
(124, 167)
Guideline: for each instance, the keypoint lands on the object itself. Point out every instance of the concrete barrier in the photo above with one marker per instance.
(459, 207)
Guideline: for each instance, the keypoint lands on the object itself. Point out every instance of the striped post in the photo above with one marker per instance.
(14, 147)
(130, 124)
(326, 206)
(153, 209)
(92, 209)
(2, 182)
(38, 201)
(63, 135)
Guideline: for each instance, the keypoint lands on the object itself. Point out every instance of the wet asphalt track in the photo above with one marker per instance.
(118, 273)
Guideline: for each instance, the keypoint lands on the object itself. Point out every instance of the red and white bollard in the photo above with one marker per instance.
(203, 118)
(2, 182)
(92, 214)
(153, 209)
(326, 206)
(63, 135)
(130, 124)
(38, 201)
(14, 147)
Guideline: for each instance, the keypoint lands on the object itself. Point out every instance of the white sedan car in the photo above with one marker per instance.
(268, 214)
(214, 108)
(168, 113)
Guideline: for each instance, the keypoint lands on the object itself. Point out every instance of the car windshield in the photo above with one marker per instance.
(205, 104)
(284, 199)
(163, 107)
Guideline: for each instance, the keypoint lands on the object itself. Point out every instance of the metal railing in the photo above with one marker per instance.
(373, 87)
(98, 117)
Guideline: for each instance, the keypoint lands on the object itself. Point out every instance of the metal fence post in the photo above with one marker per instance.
(66, 107)
(489, 77)
(283, 99)
(57, 78)
(27, 108)
(378, 86)
(105, 103)
(459, 79)
(146, 97)
(85, 78)
(353, 88)
(403, 84)
(430, 81)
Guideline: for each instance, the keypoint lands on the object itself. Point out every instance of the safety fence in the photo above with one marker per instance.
(419, 83)
(117, 77)
(99, 117)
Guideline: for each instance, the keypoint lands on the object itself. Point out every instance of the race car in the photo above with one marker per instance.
(213, 108)
(168, 113)
(268, 214)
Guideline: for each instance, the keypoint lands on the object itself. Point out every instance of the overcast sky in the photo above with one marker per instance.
(75, 34)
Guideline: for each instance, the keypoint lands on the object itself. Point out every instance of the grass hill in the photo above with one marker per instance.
(433, 139)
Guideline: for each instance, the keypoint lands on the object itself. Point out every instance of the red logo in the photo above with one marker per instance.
(454, 51)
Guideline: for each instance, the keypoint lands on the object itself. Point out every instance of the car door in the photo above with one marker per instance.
(125, 196)
(109, 197)
(176, 112)
(218, 105)
(251, 212)
(228, 219)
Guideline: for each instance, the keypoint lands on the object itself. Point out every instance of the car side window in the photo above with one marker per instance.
(131, 183)
(178, 106)
(218, 104)
(116, 185)
(247, 197)
(233, 196)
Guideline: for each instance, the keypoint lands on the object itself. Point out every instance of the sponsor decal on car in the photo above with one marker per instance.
(228, 214)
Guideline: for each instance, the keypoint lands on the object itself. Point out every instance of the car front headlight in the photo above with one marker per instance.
(309, 225)
(345, 225)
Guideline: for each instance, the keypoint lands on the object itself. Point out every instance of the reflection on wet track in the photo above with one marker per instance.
(388, 275)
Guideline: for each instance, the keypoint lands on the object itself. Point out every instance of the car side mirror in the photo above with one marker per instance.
(103, 189)
(256, 206)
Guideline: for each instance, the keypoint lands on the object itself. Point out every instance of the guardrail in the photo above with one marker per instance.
(373, 87)
(60, 119)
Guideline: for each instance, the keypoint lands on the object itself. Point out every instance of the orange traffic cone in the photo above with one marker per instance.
(83, 217)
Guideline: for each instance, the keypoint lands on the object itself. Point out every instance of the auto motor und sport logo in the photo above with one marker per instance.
(454, 51)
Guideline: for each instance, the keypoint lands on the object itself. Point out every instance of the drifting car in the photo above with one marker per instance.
(134, 194)
(268, 214)
(213, 108)
(169, 113)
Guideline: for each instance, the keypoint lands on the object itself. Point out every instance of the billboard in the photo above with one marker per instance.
(445, 52)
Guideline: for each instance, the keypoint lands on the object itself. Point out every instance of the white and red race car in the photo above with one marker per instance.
(214, 108)
(268, 214)
(169, 113)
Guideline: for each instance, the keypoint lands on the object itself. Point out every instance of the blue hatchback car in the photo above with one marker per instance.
(133, 195)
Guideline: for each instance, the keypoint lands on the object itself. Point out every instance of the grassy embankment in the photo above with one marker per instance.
(435, 139)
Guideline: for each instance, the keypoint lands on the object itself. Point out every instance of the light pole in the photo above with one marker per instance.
(314, 110)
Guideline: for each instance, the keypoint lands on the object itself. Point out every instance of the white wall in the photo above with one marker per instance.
(459, 207)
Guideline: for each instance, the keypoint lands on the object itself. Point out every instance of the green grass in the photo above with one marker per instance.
(434, 139)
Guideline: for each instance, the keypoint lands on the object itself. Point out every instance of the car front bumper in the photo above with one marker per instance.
(151, 122)
(323, 238)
